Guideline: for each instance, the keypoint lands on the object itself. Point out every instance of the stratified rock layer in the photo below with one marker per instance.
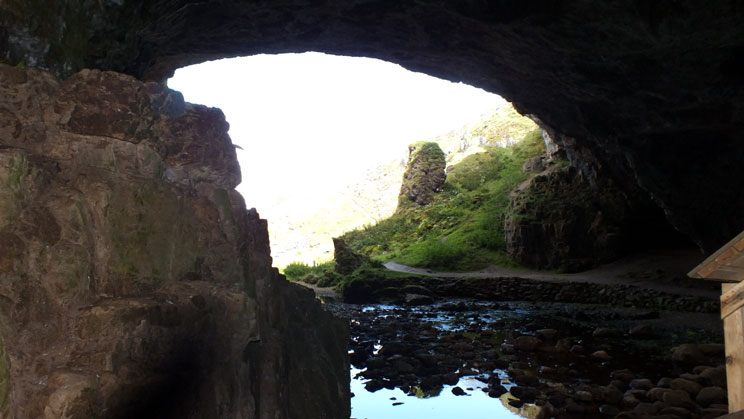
(133, 282)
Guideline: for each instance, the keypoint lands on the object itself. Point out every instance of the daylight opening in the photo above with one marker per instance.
(323, 140)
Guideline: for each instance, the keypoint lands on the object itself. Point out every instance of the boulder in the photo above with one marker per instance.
(424, 176)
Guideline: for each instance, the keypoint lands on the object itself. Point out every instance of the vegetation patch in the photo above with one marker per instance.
(462, 228)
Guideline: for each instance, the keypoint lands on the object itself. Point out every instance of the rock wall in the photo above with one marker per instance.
(652, 89)
(572, 215)
(424, 175)
(133, 282)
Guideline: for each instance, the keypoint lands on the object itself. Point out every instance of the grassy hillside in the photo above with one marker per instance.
(462, 228)
(305, 236)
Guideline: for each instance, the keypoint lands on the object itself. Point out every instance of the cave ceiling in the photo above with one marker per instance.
(650, 91)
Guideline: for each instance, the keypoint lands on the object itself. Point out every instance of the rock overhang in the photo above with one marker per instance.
(638, 86)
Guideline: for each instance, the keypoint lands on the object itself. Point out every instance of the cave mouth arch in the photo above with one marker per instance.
(309, 127)
(619, 81)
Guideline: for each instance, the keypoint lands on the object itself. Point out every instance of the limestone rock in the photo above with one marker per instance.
(347, 261)
(558, 219)
(424, 175)
(134, 280)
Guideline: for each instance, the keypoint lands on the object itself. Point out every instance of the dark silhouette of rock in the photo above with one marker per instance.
(347, 261)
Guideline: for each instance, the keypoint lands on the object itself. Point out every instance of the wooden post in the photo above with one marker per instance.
(732, 312)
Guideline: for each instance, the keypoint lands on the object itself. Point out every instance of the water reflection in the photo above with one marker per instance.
(380, 404)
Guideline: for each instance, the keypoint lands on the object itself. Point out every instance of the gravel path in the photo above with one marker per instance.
(660, 270)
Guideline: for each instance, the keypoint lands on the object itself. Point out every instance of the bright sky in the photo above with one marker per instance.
(312, 121)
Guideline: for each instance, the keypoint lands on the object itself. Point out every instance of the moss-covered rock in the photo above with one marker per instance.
(424, 175)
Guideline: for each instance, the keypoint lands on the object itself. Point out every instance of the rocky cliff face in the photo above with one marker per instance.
(424, 175)
(571, 215)
(133, 282)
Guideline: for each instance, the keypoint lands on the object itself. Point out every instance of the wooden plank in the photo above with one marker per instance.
(733, 327)
(707, 268)
(731, 299)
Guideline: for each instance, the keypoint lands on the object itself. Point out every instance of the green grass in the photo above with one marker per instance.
(462, 229)
(322, 275)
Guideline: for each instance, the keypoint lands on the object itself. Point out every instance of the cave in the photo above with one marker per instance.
(646, 94)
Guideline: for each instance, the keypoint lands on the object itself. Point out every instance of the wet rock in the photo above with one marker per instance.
(507, 348)
(711, 395)
(577, 349)
(678, 398)
(688, 353)
(527, 343)
(657, 394)
(583, 396)
(418, 300)
(376, 363)
(374, 385)
(710, 412)
(611, 395)
(641, 384)
(450, 378)
(715, 376)
(431, 384)
(603, 332)
(457, 391)
(546, 334)
(629, 400)
(664, 382)
(677, 412)
(496, 391)
(601, 356)
(645, 408)
(403, 367)
(712, 349)
(622, 375)
(689, 386)
(642, 331)
(526, 380)
(524, 393)
(608, 410)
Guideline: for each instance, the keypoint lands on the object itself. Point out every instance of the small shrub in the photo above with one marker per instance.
(297, 270)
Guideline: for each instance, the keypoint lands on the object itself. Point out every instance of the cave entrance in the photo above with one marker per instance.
(313, 130)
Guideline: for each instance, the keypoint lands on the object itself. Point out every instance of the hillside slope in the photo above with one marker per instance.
(373, 196)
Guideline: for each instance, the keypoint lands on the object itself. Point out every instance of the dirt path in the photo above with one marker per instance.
(660, 270)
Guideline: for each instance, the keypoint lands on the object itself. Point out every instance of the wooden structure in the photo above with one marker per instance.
(727, 265)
